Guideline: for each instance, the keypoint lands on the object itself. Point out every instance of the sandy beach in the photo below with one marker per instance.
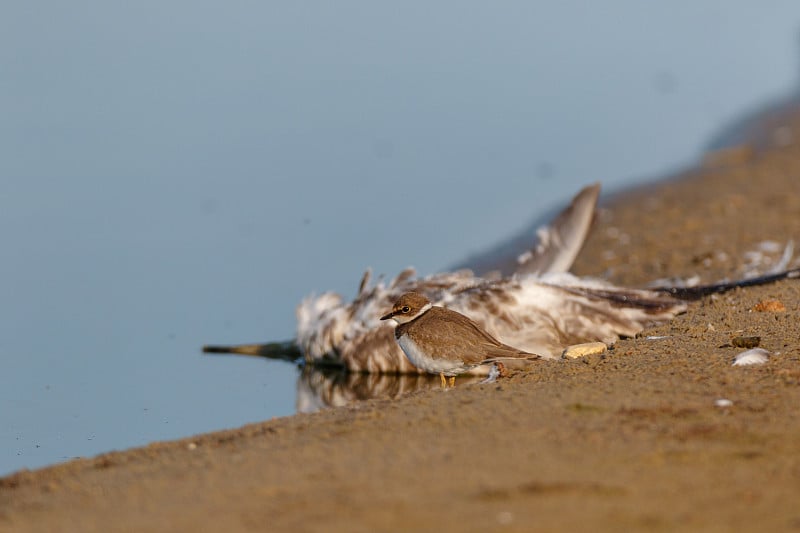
(637, 438)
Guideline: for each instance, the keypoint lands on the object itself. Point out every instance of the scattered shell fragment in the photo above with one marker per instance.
(756, 356)
(723, 402)
(582, 350)
(746, 342)
(770, 306)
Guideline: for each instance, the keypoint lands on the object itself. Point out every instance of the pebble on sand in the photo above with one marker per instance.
(746, 342)
(582, 350)
(769, 306)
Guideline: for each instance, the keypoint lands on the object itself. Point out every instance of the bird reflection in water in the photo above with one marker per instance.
(323, 386)
(320, 387)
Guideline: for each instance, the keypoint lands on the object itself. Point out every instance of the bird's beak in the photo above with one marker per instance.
(388, 316)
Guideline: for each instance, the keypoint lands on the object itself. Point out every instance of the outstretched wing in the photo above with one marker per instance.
(562, 240)
(543, 315)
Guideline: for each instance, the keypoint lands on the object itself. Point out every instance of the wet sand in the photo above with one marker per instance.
(632, 439)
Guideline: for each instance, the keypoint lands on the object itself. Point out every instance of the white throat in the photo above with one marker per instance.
(402, 319)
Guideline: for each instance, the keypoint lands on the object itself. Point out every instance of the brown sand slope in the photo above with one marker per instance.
(630, 440)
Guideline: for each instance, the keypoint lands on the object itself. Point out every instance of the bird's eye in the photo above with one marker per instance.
(405, 309)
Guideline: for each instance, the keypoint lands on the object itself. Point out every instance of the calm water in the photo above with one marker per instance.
(182, 174)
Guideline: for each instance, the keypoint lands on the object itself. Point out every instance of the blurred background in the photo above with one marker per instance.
(180, 173)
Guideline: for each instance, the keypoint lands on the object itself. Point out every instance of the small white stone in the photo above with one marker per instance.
(756, 356)
(191, 446)
(723, 402)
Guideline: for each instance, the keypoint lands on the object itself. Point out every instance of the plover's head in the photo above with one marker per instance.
(408, 307)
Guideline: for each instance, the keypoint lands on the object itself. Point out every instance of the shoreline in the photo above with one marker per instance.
(633, 439)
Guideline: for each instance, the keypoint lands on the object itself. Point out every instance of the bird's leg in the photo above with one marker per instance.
(444, 382)
(452, 381)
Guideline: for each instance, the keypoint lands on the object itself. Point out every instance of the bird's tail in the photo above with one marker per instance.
(284, 351)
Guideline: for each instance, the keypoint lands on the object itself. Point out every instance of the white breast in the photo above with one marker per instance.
(423, 361)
